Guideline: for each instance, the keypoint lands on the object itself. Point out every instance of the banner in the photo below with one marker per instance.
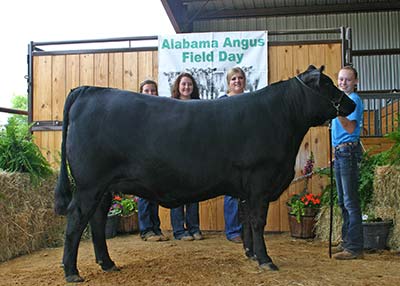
(209, 56)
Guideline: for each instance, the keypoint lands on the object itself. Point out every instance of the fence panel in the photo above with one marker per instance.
(55, 75)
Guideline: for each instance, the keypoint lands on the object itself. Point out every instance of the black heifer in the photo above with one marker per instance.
(177, 151)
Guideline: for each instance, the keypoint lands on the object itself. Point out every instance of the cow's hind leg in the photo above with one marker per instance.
(97, 226)
(75, 227)
(246, 230)
(258, 215)
(78, 216)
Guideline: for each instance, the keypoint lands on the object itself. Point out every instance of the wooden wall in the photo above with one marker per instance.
(55, 75)
(374, 145)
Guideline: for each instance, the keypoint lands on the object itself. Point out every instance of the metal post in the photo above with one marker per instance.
(349, 59)
(29, 81)
(344, 46)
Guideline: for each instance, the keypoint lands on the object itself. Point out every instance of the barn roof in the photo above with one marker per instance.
(183, 13)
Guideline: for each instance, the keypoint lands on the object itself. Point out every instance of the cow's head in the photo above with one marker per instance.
(332, 101)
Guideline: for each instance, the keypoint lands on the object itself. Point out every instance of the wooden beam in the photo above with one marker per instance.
(300, 10)
(177, 13)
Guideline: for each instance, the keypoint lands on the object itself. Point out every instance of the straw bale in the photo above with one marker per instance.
(387, 187)
(27, 216)
(386, 200)
(323, 224)
(385, 204)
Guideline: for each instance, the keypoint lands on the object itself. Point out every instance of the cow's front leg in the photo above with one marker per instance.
(247, 233)
(97, 226)
(258, 216)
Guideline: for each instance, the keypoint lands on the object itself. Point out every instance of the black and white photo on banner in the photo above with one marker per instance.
(209, 56)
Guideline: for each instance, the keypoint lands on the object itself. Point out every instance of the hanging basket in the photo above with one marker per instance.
(306, 227)
(129, 223)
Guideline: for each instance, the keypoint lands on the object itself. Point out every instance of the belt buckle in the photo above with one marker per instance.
(346, 144)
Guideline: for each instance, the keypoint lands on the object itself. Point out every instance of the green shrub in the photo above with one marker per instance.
(366, 180)
(18, 153)
(19, 102)
(326, 192)
(367, 174)
(393, 154)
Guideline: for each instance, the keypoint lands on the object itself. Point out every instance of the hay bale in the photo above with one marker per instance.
(323, 224)
(386, 200)
(385, 204)
(27, 216)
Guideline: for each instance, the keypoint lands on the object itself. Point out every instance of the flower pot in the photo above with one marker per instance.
(376, 234)
(129, 223)
(306, 227)
(112, 226)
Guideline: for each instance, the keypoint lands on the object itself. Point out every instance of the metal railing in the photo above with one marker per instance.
(12, 111)
(381, 112)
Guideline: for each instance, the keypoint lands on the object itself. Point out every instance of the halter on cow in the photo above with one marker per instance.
(177, 152)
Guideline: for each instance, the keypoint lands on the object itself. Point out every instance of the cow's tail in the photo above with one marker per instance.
(63, 191)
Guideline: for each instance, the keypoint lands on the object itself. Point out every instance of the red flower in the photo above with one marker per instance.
(123, 204)
(300, 202)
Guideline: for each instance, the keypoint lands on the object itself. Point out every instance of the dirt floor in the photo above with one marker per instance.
(212, 261)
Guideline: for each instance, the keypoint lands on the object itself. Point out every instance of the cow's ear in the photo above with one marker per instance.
(311, 77)
(311, 67)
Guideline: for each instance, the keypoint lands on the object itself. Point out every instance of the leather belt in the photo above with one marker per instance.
(346, 144)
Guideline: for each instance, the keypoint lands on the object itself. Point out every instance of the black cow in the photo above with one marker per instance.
(177, 151)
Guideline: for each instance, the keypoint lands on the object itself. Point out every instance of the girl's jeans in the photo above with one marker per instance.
(347, 161)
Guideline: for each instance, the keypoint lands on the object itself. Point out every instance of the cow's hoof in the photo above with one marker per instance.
(250, 254)
(74, 278)
(112, 269)
(269, 266)
(253, 258)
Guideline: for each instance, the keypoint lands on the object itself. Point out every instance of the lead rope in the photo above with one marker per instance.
(336, 105)
(331, 191)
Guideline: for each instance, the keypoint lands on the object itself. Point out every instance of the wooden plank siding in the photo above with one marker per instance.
(54, 76)
(374, 145)
(390, 115)
(285, 62)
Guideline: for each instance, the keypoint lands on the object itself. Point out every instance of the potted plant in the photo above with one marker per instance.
(125, 208)
(304, 204)
(375, 231)
(303, 207)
